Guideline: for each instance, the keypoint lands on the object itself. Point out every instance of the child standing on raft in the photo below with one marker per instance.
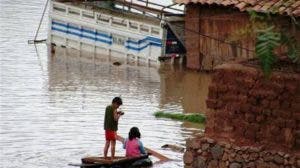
(111, 125)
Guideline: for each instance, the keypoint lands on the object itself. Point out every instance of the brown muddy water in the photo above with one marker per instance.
(52, 106)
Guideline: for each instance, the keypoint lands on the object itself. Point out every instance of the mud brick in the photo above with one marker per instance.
(255, 126)
(236, 106)
(284, 113)
(252, 100)
(290, 124)
(250, 134)
(253, 92)
(274, 130)
(242, 91)
(212, 94)
(223, 114)
(239, 131)
(277, 78)
(229, 97)
(291, 87)
(219, 127)
(296, 106)
(274, 104)
(289, 136)
(296, 116)
(280, 123)
(285, 104)
(285, 96)
(265, 103)
(217, 77)
(278, 87)
(257, 110)
(267, 112)
(212, 88)
(249, 117)
(260, 118)
(278, 139)
(245, 108)
(260, 136)
(222, 88)
(220, 104)
(249, 82)
(211, 103)
(242, 98)
(231, 115)
(263, 93)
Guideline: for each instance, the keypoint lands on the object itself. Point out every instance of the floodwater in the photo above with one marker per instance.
(52, 105)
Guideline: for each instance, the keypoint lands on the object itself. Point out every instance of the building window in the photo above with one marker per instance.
(102, 32)
(145, 28)
(58, 8)
(155, 31)
(118, 40)
(103, 19)
(133, 25)
(118, 22)
(133, 40)
(88, 15)
(74, 11)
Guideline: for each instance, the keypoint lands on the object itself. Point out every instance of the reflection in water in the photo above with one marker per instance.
(52, 105)
(83, 86)
(184, 89)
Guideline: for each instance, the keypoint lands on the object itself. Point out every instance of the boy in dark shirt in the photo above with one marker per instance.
(111, 125)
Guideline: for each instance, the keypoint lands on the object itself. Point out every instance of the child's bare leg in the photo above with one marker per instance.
(113, 145)
(107, 143)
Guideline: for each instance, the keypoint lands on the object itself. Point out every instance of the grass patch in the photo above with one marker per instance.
(195, 118)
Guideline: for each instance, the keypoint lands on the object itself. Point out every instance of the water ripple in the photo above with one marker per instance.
(52, 107)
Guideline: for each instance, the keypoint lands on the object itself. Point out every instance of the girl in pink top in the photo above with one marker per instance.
(134, 147)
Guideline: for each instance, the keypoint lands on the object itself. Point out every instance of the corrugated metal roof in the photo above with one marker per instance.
(283, 7)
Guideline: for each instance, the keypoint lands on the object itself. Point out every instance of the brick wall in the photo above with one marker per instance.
(253, 121)
(244, 105)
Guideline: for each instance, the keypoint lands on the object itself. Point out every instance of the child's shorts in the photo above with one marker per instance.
(110, 135)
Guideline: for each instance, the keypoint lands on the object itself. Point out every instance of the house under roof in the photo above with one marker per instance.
(282, 7)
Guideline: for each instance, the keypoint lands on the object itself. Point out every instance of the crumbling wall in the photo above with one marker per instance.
(249, 110)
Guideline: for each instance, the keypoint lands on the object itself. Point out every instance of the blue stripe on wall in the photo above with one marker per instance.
(84, 30)
(152, 41)
(148, 38)
(82, 36)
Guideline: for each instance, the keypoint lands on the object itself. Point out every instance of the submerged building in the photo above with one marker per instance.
(116, 28)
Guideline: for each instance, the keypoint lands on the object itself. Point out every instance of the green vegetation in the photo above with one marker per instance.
(266, 41)
(195, 118)
(271, 35)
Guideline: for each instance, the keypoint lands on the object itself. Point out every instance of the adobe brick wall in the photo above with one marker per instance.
(247, 107)
(249, 115)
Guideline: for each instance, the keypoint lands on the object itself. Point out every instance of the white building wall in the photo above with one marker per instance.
(91, 31)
